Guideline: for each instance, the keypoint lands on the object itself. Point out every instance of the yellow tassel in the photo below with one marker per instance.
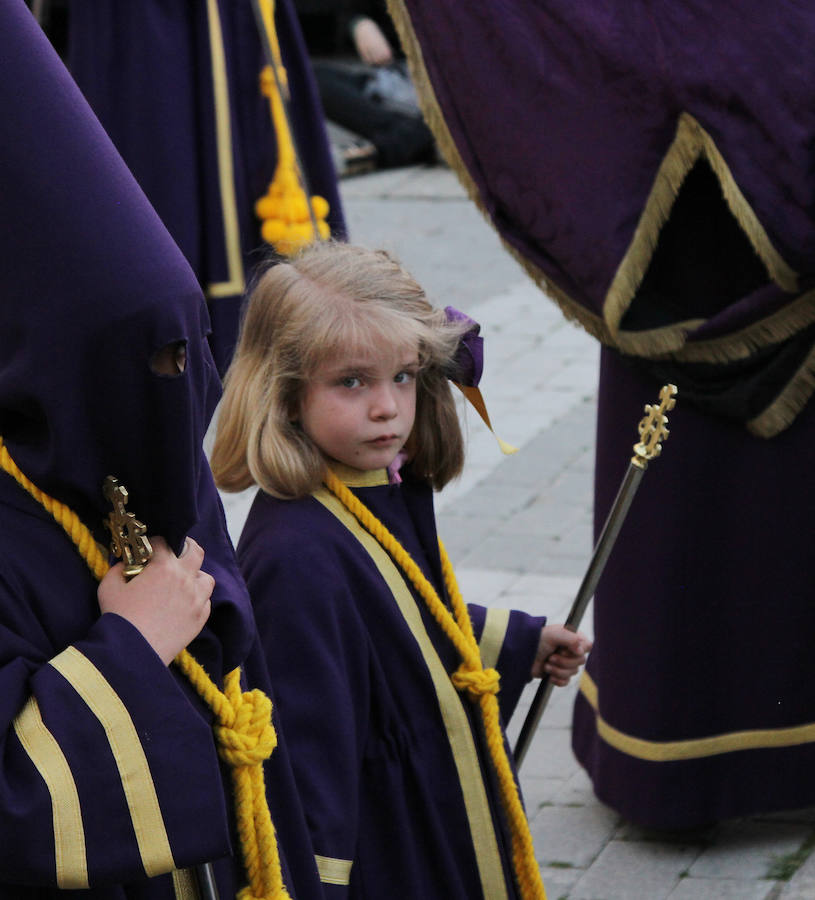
(244, 730)
(284, 209)
(480, 683)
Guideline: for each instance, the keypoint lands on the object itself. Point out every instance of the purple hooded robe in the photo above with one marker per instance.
(109, 776)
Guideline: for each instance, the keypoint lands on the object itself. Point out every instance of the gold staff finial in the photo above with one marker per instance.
(653, 428)
(128, 541)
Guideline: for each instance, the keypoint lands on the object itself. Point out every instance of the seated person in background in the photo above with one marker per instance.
(362, 78)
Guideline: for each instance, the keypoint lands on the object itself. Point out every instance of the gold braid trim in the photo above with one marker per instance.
(434, 118)
(690, 144)
(481, 684)
(244, 730)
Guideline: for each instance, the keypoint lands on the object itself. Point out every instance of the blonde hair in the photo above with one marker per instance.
(330, 299)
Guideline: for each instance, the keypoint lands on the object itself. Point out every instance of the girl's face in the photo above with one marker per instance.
(359, 409)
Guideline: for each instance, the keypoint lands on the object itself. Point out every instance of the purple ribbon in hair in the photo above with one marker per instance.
(468, 363)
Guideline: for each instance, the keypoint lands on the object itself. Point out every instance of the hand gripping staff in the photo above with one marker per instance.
(653, 431)
(130, 544)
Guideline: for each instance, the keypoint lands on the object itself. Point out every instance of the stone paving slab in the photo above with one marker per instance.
(748, 849)
(724, 889)
(559, 881)
(802, 884)
(571, 835)
(626, 871)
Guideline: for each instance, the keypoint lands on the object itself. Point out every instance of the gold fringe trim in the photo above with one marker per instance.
(434, 118)
(781, 413)
(691, 143)
(780, 326)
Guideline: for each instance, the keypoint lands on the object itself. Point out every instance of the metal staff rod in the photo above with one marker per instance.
(268, 53)
(653, 431)
(130, 544)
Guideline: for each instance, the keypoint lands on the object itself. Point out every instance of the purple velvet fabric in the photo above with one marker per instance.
(562, 113)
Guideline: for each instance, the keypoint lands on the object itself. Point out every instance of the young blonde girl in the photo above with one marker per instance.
(338, 406)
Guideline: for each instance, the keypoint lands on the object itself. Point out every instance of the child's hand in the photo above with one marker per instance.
(169, 601)
(560, 654)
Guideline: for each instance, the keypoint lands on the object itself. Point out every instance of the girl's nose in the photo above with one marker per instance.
(383, 402)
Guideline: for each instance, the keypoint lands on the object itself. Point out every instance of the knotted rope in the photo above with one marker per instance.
(481, 684)
(243, 729)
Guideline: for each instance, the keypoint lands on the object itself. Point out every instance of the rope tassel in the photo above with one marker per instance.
(290, 219)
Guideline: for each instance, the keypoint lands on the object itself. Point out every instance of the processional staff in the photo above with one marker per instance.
(653, 431)
(130, 544)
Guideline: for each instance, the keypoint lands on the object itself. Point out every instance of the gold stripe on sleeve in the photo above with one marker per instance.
(694, 748)
(334, 871)
(492, 638)
(235, 282)
(137, 782)
(69, 832)
(460, 736)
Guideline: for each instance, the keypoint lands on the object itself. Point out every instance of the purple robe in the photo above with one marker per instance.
(361, 673)
(109, 777)
(147, 71)
(703, 620)
(650, 164)
(141, 790)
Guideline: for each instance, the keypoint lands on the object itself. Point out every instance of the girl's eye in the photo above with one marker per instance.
(404, 377)
(351, 381)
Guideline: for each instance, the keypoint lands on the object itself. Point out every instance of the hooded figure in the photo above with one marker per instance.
(109, 771)
(658, 183)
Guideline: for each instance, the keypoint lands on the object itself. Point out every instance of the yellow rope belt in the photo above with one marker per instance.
(480, 683)
(244, 731)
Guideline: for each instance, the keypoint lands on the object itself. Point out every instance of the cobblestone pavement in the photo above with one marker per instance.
(518, 529)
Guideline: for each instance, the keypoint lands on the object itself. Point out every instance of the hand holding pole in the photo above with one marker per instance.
(652, 431)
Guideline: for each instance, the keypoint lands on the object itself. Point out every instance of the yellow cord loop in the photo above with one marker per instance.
(476, 681)
(245, 734)
(288, 224)
(471, 676)
(246, 737)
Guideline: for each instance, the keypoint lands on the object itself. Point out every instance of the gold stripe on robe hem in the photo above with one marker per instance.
(693, 748)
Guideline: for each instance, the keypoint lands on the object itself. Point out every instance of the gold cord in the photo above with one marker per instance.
(289, 218)
(244, 730)
(481, 684)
